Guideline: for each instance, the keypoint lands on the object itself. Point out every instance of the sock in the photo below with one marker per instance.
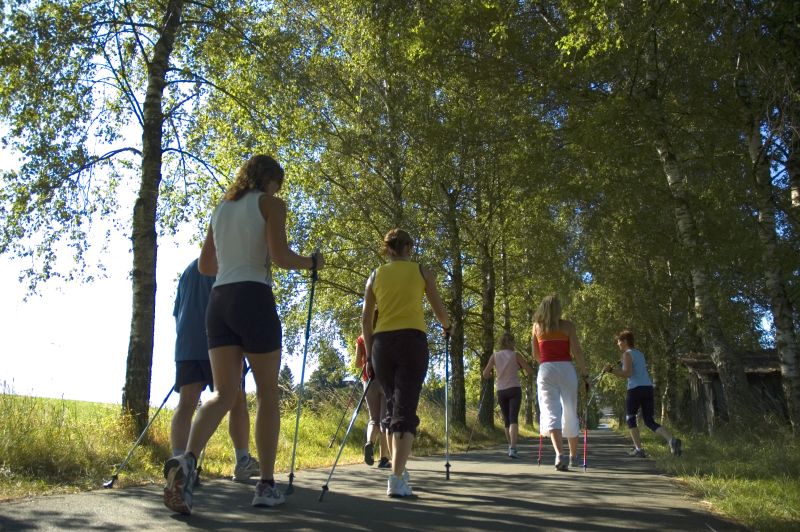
(192, 460)
(241, 453)
(270, 481)
(178, 452)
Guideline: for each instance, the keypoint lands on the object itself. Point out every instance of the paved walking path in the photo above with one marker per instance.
(486, 491)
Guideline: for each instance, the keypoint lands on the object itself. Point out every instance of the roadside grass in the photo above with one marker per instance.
(50, 446)
(752, 477)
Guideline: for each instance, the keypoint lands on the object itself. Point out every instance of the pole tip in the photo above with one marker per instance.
(321, 495)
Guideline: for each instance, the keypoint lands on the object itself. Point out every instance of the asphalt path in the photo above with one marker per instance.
(486, 491)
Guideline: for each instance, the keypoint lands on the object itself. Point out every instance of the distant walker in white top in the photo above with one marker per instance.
(509, 391)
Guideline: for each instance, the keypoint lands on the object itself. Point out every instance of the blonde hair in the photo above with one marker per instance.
(548, 315)
(255, 174)
(507, 341)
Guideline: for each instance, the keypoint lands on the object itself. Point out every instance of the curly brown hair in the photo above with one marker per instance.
(395, 241)
(255, 174)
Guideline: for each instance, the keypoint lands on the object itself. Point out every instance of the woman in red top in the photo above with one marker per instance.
(555, 345)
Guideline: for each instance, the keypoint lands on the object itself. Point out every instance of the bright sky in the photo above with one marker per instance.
(72, 340)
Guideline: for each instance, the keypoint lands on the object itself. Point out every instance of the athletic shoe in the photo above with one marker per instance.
(369, 453)
(267, 495)
(246, 467)
(638, 453)
(406, 477)
(179, 472)
(675, 446)
(512, 452)
(398, 487)
(385, 463)
(574, 462)
(562, 463)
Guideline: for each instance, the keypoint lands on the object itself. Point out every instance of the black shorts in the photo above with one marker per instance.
(192, 371)
(400, 359)
(510, 400)
(243, 314)
(641, 397)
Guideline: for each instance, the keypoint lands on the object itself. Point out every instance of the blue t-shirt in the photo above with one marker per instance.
(191, 301)
(639, 375)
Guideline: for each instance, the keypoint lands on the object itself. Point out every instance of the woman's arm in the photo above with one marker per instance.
(434, 299)
(627, 366)
(535, 345)
(361, 354)
(274, 212)
(487, 371)
(207, 264)
(524, 365)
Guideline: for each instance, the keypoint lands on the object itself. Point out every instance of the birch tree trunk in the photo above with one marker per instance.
(136, 393)
(456, 308)
(780, 303)
(488, 291)
(731, 372)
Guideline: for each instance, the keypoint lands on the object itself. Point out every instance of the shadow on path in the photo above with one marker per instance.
(486, 491)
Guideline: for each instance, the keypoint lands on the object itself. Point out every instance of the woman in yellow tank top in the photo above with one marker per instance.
(397, 345)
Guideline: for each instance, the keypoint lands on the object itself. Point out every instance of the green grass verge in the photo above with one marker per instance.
(58, 446)
(752, 477)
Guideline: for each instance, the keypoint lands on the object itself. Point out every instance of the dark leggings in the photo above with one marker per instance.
(641, 396)
(510, 400)
(400, 359)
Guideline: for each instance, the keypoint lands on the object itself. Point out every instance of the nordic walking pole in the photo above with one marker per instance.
(475, 424)
(344, 413)
(539, 459)
(110, 483)
(446, 405)
(290, 488)
(344, 439)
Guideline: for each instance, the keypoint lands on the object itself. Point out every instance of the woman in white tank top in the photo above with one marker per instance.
(247, 233)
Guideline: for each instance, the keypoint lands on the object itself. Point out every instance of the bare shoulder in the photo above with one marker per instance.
(271, 205)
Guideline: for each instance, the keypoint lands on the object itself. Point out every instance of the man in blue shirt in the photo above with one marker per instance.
(639, 395)
(193, 372)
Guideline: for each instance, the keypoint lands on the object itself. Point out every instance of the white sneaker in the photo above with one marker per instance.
(180, 472)
(398, 487)
(246, 467)
(512, 452)
(267, 495)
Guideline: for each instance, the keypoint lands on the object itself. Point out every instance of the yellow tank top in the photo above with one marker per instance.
(399, 287)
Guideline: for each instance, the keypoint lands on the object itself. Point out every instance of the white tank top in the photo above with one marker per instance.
(240, 238)
(507, 369)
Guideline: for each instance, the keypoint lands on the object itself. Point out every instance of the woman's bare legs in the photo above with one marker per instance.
(265, 368)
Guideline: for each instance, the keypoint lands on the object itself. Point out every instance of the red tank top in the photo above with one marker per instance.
(553, 346)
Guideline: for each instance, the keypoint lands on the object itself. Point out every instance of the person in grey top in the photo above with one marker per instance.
(640, 395)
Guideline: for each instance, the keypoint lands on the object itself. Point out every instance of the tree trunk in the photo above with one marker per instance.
(488, 290)
(456, 308)
(780, 303)
(793, 169)
(136, 393)
(728, 365)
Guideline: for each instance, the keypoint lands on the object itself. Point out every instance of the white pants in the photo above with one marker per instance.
(557, 389)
